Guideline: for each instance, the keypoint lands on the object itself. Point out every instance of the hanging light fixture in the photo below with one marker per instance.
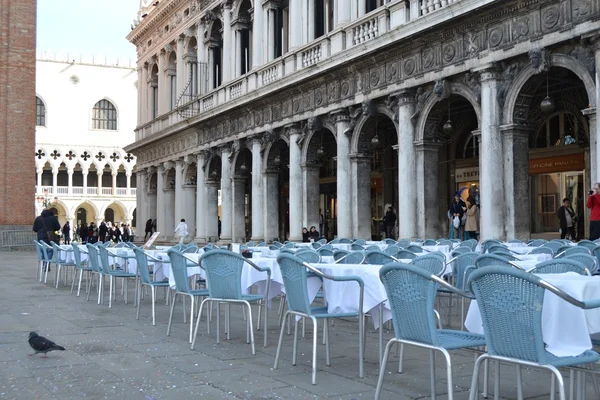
(277, 161)
(214, 174)
(447, 128)
(375, 142)
(547, 105)
(244, 167)
(321, 150)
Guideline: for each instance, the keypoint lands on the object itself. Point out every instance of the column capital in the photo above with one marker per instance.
(309, 166)
(405, 97)
(516, 131)
(292, 129)
(424, 145)
(340, 115)
(359, 158)
(225, 149)
(167, 165)
(189, 159)
(255, 140)
(179, 163)
(114, 173)
(589, 112)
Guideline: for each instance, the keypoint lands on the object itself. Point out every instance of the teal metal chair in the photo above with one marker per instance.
(294, 272)
(81, 267)
(44, 259)
(112, 274)
(536, 242)
(94, 264)
(560, 266)
(146, 280)
(224, 277)
(60, 259)
(378, 257)
(179, 265)
(339, 254)
(574, 250)
(411, 292)
(588, 260)
(309, 256)
(405, 255)
(542, 250)
(353, 257)
(510, 302)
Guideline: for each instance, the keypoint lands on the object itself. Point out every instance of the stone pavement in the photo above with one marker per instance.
(111, 355)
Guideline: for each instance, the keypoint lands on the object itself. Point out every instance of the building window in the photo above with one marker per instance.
(560, 129)
(40, 112)
(104, 116)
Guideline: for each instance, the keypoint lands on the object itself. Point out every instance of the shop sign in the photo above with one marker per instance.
(466, 174)
(571, 162)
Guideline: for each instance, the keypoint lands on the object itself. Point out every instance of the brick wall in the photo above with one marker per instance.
(17, 111)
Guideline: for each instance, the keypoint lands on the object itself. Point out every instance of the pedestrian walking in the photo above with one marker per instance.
(181, 231)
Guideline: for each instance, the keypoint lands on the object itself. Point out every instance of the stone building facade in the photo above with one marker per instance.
(293, 110)
(17, 112)
(86, 111)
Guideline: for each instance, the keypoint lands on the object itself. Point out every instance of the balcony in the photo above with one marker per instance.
(78, 191)
(404, 17)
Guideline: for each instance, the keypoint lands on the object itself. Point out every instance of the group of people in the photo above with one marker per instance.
(312, 234)
(464, 217)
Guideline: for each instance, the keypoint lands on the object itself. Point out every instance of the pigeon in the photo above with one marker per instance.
(42, 345)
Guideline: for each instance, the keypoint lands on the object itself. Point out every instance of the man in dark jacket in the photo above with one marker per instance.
(84, 233)
(389, 220)
(566, 217)
(457, 209)
(44, 223)
(102, 231)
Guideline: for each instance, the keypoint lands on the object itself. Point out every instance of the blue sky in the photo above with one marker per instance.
(86, 26)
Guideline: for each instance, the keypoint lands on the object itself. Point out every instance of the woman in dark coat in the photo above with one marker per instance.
(148, 229)
(84, 233)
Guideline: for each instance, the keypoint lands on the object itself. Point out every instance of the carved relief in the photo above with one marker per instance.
(540, 60)
(520, 28)
(428, 58)
(449, 52)
(586, 56)
(508, 74)
(581, 9)
(442, 89)
(550, 17)
(495, 36)
(471, 79)
(421, 97)
(472, 44)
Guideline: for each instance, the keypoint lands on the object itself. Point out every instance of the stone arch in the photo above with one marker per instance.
(556, 60)
(213, 164)
(189, 172)
(456, 89)
(88, 206)
(244, 155)
(237, 6)
(120, 208)
(273, 150)
(307, 146)
(362, 120)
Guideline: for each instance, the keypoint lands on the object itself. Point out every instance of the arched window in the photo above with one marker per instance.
(40, 112)
(104, 116)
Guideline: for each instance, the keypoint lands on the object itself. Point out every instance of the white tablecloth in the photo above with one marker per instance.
(534, 257)
(342, 297)
(566, 328)
(162, 270)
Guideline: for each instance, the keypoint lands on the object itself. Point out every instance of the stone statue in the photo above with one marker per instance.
(540, 60)
(442, 89)
(421, 96)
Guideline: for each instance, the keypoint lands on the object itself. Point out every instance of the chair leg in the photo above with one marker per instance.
(432, 373)
(192, 298)
(519, 383)
(314, 355)
(218, 322)
(173, 301)
(137, 315)
(126, 286)
(401, 359)
(100, 283)
(327, 359)
(265, 319)
(295, 347)
(79, 285)
(198, 323)
(386, 354)
(57, 276)
(283, 322)
(153, 290)
(449, 375)
(73, 282)
(111, 290)
(251, 328)
(183, 303)
(497, 381)
(473, 395)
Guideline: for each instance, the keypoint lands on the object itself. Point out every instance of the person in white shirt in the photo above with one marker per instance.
(181, 231)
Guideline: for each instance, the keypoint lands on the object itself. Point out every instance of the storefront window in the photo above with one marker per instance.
(561, 129)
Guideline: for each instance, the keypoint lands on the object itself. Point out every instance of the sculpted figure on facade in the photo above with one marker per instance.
(508, 74)
(472, 81)
(540, 60)
(421, 97)
(442, 89)
(208, 154)
(586, 56)
(236, 146)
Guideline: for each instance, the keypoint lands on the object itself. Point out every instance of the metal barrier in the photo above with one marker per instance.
(10, 239)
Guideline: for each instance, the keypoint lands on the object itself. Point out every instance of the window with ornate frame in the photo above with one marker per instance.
(104, 116)
(40, 112)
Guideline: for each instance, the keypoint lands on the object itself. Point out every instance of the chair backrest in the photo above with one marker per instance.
(563, 248)
(94, 258)
(411, 297)
(142, 265)
(339, 254)
(309, 256)
(414, 248)
(377, 257)
(542, 250)
(286, 250)
(322, 241)
(462, 262)
(262, 244)
(179, 269)
(429, 242)
(405, 254)
(250, 243)
(104, 261)
(325, 252)
(120, 244)
(431, 263)
(460, 250)
(190, 249)
(372, 247)
(289, 245)
(392, 250)
(588, 260)
(492, 244)
(560, 266)
(224, 274)
(537, 242)
(591, 246)
(492, 259)
(345, 241)
(575, 250)
(356, 246)
(335, 241)
(278, 244)
(293, 273)
(445, 242)
(505, 255)
(471, 243)
(77, 255)
(493, 248)
(361, 242)
(510, 302)
(354, 257)
(389, 241)
(515, 241)
(56, 252)
(403, 243)
(41, 252)
(316, 245)
(273, 247)
(554, 246)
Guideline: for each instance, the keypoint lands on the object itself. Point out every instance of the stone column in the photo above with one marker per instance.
(595, 134)
(141, 83)
(344, 174)
(99, 183)
(238, 193)
(491, 160)
(361, 196)
(343, 14)
(271, 25)
(407, 188)
(594, 145)
(200, 199)
(39, 171)
(227, 42)
(178, 206)
(160, 201)
(128, 182)
(310, 196)
(54, 181)
(210, 68)
(211, 213)
(258, 42)
(181, 78)
(295, 31)
(169, 194)
(70, 181)
(141, 201)
(226, 207)
(515, 148)
(295, 194)
(257, 191)
(362, 8)
(427, 184)
(310, 21)
(162, 84)
(239, 52)
(114, 182)
(201, 54)
(189, 208)
(84, 173)
(271, 205)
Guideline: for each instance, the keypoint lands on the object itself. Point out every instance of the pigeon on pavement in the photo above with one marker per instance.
(42, 345)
